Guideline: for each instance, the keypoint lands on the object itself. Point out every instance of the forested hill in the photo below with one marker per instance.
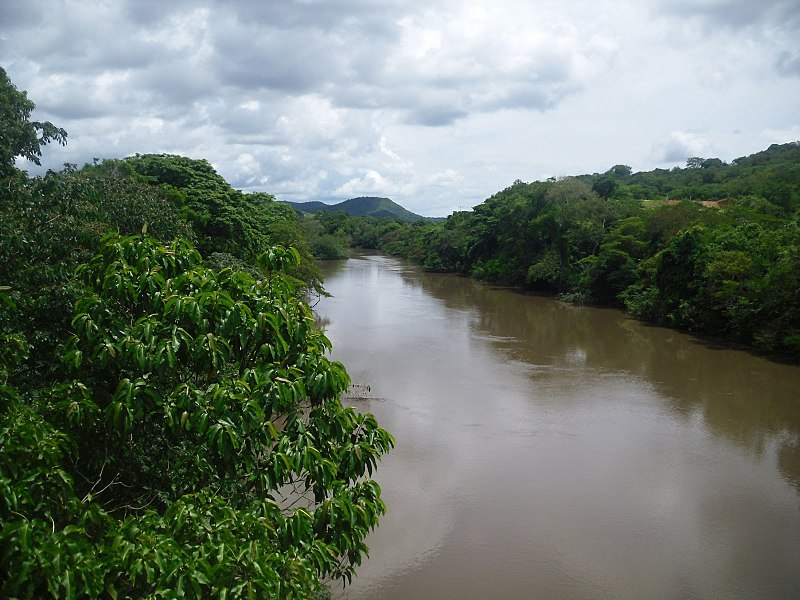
(365, 206)
(772, 174)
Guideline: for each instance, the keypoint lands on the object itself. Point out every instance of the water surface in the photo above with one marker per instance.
(552, 451)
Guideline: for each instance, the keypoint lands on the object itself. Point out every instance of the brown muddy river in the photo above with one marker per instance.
(553, 451)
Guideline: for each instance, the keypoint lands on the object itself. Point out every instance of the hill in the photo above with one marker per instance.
(361, 207)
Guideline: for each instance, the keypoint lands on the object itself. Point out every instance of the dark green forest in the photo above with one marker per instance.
(712, 248)
(170, 424)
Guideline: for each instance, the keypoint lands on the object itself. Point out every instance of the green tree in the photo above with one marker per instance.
(19, 136)
(605, 186)
(200, 447)
(225, 220)
(53, 223)
(620, 171)
(614, 267)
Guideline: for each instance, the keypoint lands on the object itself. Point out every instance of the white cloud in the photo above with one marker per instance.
(395, 162)
(370, 184)
(445, 178)
(436, 104)
(682, 145)
(781, 136)
(373, 183)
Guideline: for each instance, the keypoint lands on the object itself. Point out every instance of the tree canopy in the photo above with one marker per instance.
(199, 445)
(170, 426)
(227, 221)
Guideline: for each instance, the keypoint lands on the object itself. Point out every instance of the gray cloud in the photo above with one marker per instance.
(434, 116)
(373, 17)
(286, 60)
(313, 99)
(788, 63)
(150, 13)
(77, 38)
(682, 145)
(736, 13)
(174, 84)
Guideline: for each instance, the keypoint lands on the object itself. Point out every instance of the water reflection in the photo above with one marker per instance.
(547, 450)
(745, 398)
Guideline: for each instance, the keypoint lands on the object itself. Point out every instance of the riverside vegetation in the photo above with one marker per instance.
(712, 248)
(170, 424)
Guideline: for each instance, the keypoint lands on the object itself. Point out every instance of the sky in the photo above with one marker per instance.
(436, 104)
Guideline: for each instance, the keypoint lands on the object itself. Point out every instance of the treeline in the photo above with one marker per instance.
(55, 222)
(728, 267)
(773, 174)
(170, 423)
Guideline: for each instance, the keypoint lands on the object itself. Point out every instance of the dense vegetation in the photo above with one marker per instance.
(728, 266)
(170, 424)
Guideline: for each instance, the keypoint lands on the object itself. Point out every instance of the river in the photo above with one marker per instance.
(552, 451)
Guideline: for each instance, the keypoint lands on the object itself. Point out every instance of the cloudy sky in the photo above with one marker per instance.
(436, 104)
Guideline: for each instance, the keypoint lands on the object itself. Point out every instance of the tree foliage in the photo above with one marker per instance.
(199, 447)
(226, 220)
(51, 225)
(169, 427)
(19, 136)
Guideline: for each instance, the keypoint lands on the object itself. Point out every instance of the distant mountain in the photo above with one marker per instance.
(361, 207)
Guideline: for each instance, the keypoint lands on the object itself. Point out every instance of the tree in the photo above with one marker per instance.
(225, 220)
(604, 186)
(613, 268)
(678, 277)
(18, 135)
(620, 171)
(569, 189)
(694, 162)
(53, 223)
(200, 447)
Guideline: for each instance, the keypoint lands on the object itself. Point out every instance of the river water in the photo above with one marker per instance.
(553, 451)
